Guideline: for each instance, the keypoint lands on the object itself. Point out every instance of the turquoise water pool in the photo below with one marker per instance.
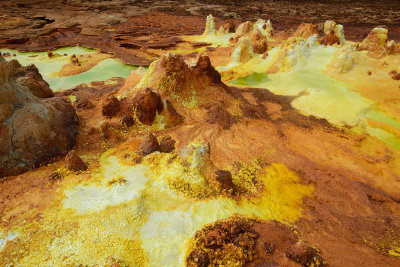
(50, 67)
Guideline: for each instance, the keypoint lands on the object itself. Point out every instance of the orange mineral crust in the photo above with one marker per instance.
(157, 134)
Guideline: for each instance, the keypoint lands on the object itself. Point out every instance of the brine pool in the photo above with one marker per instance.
(50, 67)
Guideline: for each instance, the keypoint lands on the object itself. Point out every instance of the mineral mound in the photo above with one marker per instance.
(238, 241)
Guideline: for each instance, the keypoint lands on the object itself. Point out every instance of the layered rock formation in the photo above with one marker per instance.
(344, 59)
(173, 79)
(34, 126)
(377, 43)
(243, 51)
(237, 241)
(331, 28)
(259, 33)
(146, 104)
(306, 30)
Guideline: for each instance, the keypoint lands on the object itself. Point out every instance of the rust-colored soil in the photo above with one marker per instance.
(353, 215)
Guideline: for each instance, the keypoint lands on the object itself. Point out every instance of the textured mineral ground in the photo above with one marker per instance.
(151, 133)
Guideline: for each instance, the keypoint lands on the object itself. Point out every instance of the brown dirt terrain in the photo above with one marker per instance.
(352, 214)
(122, 27)
(353, 217)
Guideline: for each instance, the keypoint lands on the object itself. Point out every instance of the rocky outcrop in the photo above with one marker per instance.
(329, 26)
(210, 26)
(259, 33)
(343, 59)
(172, 88)
(73, 162)
(167, 144)
(243, 51)
(31, 78)
(146, 103)
(149, 145)
(255, 243)
(333, 31)
(188, 85)
(127, 121)
(295, 51)
(196, 155)
(330, 39)
(33, 128)
(229, 27)
(375, 41)
(392, 48)
(306, 30)
(110, 107)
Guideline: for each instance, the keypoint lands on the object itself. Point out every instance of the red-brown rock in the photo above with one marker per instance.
(330, 39)
(396, 76)
(146, 103)
(73, 162)
(30, 77)
(301, 253)
(149, 145)
(205, 69)
(111, 106)
(167, 144)
(84, 104)
(32, 129)
(306, 30)
(258, 42)
(127, 121)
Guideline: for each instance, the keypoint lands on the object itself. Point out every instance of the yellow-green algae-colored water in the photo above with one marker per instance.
(320, 95)
(140, 220)
(50, 67)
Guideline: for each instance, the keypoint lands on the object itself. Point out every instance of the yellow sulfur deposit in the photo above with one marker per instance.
(152, 203)
(210, 35)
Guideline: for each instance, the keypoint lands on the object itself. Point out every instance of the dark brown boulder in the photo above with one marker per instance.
(84, 104)
(32, 129)
(301, 253)
(396, 76)
(225, 179)
(127, 121)
(38, 88)
(167, 144)
(330, 39)
(260, 46)
(73, 162)
(149, 145)
(111, 106)
(146, 103)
